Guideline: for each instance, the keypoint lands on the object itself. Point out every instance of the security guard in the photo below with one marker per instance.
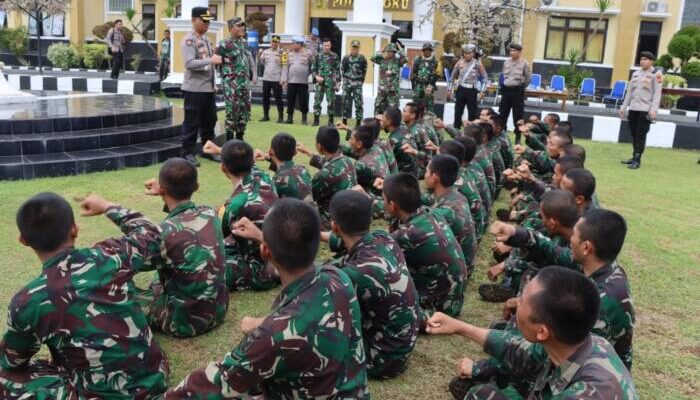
(274, 59)
(468, 76)
(516, 77)
(641, 104)
(198, 86)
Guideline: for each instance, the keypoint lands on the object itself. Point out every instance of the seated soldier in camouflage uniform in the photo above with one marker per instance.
(556, 351)
(291, 180)
(82, 307)
(424, 136)
(440, 176)
(371, 161)
(542, 162)
(481, 161)
(398, 139)
(189, 295)
(253, 195)
(385, 290)
(336, 171)
(310, 346)
(476, 174)
(433, 255)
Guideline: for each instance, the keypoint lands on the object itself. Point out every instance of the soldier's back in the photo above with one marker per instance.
(293, 180)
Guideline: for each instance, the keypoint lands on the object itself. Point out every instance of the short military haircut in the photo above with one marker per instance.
(606, 229)
(166, 31)
(364, 135)
(567, 303)
(393, 115)
(470, 147)
(351, 211)
(554, 117)
(476, 132)
(329, 138)
(179, 178)
(374, 125)
(413, 109)
(488, 130)
(567, 163)
(563, 139)
(45, 221)
(560, 205)
(453, 148)
(446, 167)
(284, 145)
(118, 20)
(575, 150)
(489, 111)
(291, 231)
(582, 182)
(498, 121)
(403, 189)
(325, 39)
(566, 125)
(237, 157)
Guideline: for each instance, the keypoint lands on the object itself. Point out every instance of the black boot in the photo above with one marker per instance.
(331, 121)
(265, 118)
(628, 162)
(239, 134)
(190, 158)
(290, 119)
(636, 162)
(460, 386)
(279, 118)
(358, 122)
(316, 120)
(345, 121)
(304, 120)
(229, 136)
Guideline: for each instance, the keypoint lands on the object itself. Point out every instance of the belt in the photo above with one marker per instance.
(468, 86)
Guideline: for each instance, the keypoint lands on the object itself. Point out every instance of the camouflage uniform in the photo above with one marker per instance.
(190, 295)
(483, 160)
(327, 66)
(389, 74)
(405, 162)
(388, 300)
(354, 69)
(235, 82)
(455, 209)
(479, 178)
(335, 174)
(245, 269)
(309, 347)
(466, 186)
(82, 308)
(387, 149)
(435, 260)
(293, 180)
(506, 148)
(422, 134)
(593, 371)
(424, 75)
(370, 166)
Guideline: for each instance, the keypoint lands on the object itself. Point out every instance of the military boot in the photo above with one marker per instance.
(636, 162)
(358, 122)
(459, 387)
(316, 120)
(290, 119)
(345, 121)
(496, 293)
(628, 162)
(265, 118)
(304, 120)
(331, 121)
(239, 134)
(279, 118)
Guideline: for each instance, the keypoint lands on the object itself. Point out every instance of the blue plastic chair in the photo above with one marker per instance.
(587, 89)
(558, 83)
(617, 93)
(448, 78)
(535, 82)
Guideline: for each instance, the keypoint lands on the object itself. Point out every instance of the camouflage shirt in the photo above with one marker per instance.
(388, 299)
(506, 148)
(335, 174)
(466, 186)
(370, 166)
(425, 70)
(405, 162)
(309, 347)
(483, 160)
(82, 308)
(455, 209)
(235, 60)
(194, 295)
(593, 371)
(435, 260)
(479, 178)
(389, 71)
(354, 69)
(327, 66)
(292, 180)
(386, 147)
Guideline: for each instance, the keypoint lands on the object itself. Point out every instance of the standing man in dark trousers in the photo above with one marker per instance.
(295, 77)
(641, 104)
(198, 86)
(116, 43)
(468, 76)
(164, 67)
(274, 59)
(516, 77)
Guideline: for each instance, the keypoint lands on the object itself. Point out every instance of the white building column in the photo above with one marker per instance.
(422, 26)
(294, 18)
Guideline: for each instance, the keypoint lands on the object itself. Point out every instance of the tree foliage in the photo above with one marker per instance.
(258, 22)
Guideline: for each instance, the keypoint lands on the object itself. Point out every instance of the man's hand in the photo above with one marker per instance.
(152, 187)
(518, 149)
(501, 248)
(249, 324)
(495, 271)
(260, 156)
(319, 79)
(408, 149)
(325, 236)
(378, 183)
(438, 123)
(465, 367)
(246, 229)
(93, 204)
(443, 324)
(622, 113)
(340, 125)
(255, 81)
(524, 171)
(502, 231)
(430, 146)
(216, 59)
(509, 308)
(303, 150)
(360, 189)
(284, 85)
(211, 148)
(652, 115)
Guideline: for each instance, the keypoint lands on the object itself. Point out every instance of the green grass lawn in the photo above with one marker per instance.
(661, 257)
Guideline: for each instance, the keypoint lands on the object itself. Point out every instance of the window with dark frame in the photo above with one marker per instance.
(269, 11)
(567, 33)
(649, 38)
(149, 21)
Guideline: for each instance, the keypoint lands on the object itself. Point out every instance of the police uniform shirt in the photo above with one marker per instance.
(199, 72)
(298, 67)
(644, 91)
(470, 73)
(516, 73)
(273, 60)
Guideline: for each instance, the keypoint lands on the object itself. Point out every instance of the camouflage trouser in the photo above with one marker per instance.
(383, 366)
(40, 380)
(237, 100)
(450, 302)
(352, 94)
(184, 322)
(246, 272)
(327, 90)
(420, 95)
(385, 99)
(491, 391)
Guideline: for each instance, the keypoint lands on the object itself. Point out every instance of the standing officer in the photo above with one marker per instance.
(424, 76)
(235, 79)
(390, 61)
(295, 78)
(274, 59)
(641, 104)
(353, 71)
(468, 75)
(326, 70)
(516, 77)
(198, 85)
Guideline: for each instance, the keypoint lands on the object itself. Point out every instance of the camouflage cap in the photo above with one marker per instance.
(355, 43)
(391, 47)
